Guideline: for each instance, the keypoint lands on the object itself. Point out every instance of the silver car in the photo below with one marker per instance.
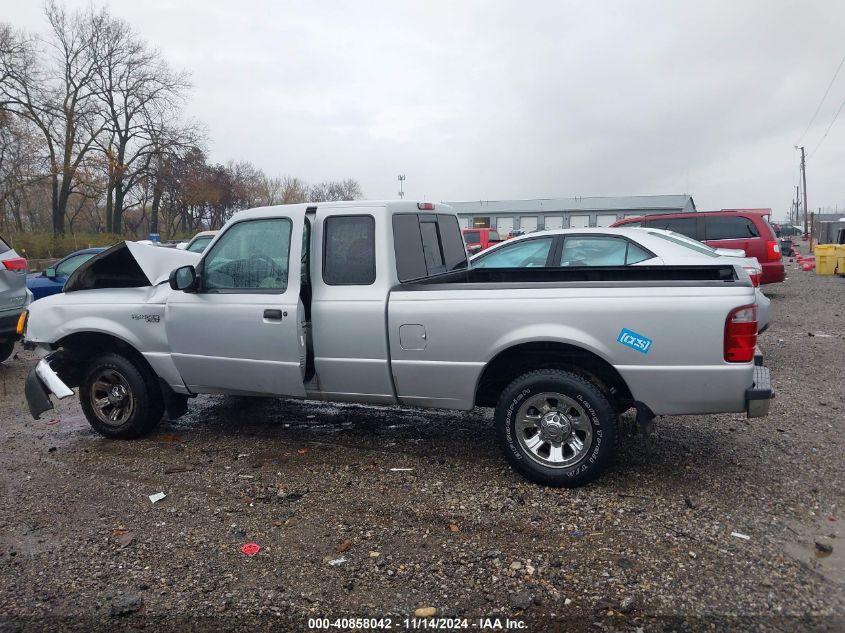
(14, 296)
(616, 247)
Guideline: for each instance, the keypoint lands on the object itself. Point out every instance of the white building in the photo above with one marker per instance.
(556, 213)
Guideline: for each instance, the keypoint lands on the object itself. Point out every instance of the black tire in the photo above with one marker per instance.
(581, 407)
(138, 399)
(7, 347)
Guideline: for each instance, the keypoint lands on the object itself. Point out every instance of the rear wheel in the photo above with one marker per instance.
(119, 397)
(556, 428)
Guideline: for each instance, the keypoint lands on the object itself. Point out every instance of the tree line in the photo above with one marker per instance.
(93, 138)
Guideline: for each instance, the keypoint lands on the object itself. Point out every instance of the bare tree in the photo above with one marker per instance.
(139, 95)
(21, 168)
(329, 191)
(52, 84)
(250, 185)
(171, 144)
(293, 190)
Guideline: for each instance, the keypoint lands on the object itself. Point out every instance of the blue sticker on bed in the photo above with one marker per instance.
(635, 341)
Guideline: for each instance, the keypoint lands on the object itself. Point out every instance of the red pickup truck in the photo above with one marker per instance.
(478, 240)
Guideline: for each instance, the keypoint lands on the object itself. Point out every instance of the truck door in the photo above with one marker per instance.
(241, 331)
(348, 307)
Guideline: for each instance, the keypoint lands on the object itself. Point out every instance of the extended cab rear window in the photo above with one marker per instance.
(472, 237)
(349, 250)
(427, 244)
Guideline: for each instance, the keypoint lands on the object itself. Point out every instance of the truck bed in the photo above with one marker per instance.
(552, 277)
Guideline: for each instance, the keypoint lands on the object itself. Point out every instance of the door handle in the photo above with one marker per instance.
(274, 314)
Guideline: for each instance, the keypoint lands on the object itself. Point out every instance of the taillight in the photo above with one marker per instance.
(755, 276)
(425, 206)
(773, 251)
(741, 334)
(16, 264)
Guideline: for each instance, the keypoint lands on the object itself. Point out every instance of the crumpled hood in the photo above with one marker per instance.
(129, 265)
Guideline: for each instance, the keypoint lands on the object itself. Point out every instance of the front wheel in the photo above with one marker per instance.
(556, 428)
(119, 397)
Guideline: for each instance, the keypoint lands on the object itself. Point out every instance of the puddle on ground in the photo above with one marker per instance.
(802, 548)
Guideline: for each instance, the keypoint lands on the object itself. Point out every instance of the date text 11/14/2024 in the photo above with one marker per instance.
(411, 624)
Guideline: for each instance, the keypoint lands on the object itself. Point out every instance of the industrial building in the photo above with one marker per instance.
(507, 216)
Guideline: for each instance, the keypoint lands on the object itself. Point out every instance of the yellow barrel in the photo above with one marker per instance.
(840, 259)
(825, 259)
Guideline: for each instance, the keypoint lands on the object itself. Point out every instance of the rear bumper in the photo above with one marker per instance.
(9, 325)
(41, 382)
(773, 272)
(758, 397)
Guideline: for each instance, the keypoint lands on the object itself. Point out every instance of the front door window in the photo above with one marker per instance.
(251, 255)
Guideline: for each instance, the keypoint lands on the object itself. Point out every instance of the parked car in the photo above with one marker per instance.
(789, 230)
(480, 239)
(374, 302)
(746, 230)
(615, 247)
(198, 242)
(14, 296)
(52, 280)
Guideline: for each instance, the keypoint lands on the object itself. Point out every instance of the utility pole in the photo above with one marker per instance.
(804, 180)
(797, 207)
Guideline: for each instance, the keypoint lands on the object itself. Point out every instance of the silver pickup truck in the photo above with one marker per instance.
(374, 302)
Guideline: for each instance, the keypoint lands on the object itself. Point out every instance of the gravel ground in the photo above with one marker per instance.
(342, 534)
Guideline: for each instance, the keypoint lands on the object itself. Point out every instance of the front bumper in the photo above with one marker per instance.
(40, 383)
(759, 396)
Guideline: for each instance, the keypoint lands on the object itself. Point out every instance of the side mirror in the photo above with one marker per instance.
(184, 278)
(50, 273)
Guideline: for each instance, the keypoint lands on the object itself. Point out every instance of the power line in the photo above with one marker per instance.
(821, 140)
(826, 92)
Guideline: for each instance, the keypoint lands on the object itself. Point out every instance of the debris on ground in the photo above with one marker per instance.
(626, 605)
(170, 438)
(343, 546)
(337, 561)
(521, 600)
(157, 497)
(744, 537)
(178, 469)
(425, 612)
(823, 545)
(251, 549)
(126, 605)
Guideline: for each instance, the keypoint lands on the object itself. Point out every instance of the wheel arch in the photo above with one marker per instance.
(521, 358)
(80, 346)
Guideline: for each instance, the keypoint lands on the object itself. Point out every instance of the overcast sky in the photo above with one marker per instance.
(491, 100)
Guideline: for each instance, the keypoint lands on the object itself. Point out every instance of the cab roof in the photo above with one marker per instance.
(390, 207)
